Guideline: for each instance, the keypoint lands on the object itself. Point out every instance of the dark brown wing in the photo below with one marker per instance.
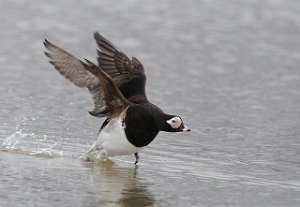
(114, 100)
(74, 70)
(127, 74)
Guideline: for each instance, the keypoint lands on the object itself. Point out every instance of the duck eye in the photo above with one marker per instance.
(173, 121)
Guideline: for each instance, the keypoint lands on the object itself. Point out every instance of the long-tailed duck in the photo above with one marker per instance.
(117, 86)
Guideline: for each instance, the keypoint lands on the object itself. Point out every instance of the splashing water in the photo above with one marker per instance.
(21, 142)
(28, 142)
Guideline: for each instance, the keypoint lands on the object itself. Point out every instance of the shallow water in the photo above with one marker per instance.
(229, 68)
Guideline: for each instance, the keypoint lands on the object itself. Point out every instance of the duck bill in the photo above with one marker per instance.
(186, 129)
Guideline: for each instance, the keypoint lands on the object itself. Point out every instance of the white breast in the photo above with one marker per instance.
(113, 141)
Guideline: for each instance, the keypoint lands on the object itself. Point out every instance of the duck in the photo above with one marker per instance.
(117, 87)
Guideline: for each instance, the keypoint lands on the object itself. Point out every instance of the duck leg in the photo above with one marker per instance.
(137, 158)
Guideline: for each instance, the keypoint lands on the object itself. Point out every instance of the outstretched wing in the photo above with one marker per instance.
(127, 74)
(74, 70)
(114, 100)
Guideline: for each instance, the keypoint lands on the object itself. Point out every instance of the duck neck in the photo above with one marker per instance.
(162, 123)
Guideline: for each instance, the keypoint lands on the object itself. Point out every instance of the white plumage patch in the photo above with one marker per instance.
(112, 140)
(175, 122)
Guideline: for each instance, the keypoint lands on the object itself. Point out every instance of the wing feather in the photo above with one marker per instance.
(74, 70)
(116, 103)
(127, 74)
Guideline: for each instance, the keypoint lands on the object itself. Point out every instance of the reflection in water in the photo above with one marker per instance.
(118, 186)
